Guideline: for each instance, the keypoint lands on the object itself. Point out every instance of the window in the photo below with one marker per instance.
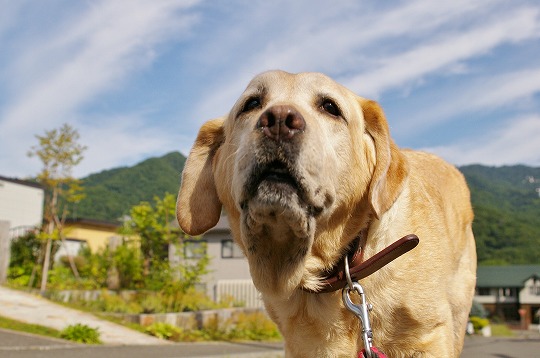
(507, 292)
(194, 249)
(229, 250)
(483, 291)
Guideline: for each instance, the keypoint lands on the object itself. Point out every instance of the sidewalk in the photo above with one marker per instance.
(34, 309)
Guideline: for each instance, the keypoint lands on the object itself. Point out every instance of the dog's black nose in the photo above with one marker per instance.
(281, 122)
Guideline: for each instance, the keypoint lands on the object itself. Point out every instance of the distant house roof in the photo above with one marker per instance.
(22, 182)
(221, 226)
(505, 276)
(93, 222)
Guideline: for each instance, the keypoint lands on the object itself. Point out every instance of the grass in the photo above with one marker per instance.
(501, 330)
(14, 325)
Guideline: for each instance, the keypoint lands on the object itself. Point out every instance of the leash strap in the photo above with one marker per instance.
(360, 269)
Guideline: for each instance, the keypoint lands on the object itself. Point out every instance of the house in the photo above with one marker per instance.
(97, 234)
(510, 292)
(21, 210)
(229, 275)
(21, 204)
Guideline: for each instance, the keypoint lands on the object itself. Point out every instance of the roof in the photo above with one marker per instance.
(22, 182)
(505, 276)
(221, 226)
(93, 222)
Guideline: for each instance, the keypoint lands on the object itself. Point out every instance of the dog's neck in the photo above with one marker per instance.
(304, 317)
(358, 267)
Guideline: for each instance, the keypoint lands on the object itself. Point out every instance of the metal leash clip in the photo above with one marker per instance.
(361, 310)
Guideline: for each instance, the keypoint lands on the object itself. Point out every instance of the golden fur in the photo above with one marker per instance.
(347, 174)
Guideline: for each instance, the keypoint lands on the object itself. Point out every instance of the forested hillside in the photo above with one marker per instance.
(505, 201)
(507, 209)
(111, 193)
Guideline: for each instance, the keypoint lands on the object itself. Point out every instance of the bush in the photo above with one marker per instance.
(255, 327)
(479, 323)
(163, 330)
(81, 333)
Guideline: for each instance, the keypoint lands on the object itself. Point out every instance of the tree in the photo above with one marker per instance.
(59, 152)
(153, 224)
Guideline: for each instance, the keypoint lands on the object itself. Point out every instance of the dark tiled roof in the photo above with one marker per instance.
(22, 182)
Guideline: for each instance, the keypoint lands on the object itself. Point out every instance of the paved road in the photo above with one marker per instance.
(495, 347)
(21, 345)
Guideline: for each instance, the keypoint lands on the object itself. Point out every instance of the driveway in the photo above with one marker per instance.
(25, 307)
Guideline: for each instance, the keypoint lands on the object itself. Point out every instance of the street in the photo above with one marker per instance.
(21, 345)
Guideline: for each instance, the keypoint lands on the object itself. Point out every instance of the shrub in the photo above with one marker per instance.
(81, 333)
(254, 326)
(479, 323)
(163, 330)
(152, 303)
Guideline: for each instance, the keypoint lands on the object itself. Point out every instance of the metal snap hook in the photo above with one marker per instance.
(361, 310)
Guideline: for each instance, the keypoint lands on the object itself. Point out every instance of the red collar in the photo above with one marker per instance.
(359, 268)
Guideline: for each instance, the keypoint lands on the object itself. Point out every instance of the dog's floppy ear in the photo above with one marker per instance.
(198, 207)
(391, 167)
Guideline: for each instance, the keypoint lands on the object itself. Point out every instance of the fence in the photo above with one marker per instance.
(242, 291)
(19, 231)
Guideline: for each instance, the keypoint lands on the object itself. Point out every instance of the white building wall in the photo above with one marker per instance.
(20, 204)
(530, 294)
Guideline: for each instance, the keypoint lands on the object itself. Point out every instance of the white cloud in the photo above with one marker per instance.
(484, 94)
(368, 50)
(58, 69)
(446, 50)
(86, 53)
(121, 140)
(515, 141)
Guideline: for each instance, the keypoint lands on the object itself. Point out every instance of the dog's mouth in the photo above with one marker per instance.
(277, 172)
(274, 178)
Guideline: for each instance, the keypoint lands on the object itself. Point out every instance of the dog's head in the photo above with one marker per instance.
(300, 164)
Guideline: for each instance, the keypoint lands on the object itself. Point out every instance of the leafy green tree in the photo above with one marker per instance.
(59, 151)
(125, 260)
(154, 225)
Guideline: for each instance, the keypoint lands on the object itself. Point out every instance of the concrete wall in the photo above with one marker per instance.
(222, 318)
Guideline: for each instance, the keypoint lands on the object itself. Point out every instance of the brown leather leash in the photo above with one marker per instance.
(360, 269)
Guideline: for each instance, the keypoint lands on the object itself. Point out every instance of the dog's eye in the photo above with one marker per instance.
(330, 107)
(251, 104)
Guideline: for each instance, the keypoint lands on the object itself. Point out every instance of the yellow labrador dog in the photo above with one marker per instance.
(304, 168)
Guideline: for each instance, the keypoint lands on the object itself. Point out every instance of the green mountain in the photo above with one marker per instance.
(110, 194)
(507, 213)
(505, 201)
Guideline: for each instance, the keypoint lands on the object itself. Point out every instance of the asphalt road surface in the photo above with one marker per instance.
(21, 345)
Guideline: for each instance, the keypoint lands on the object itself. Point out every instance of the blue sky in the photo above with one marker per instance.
(138, 78)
